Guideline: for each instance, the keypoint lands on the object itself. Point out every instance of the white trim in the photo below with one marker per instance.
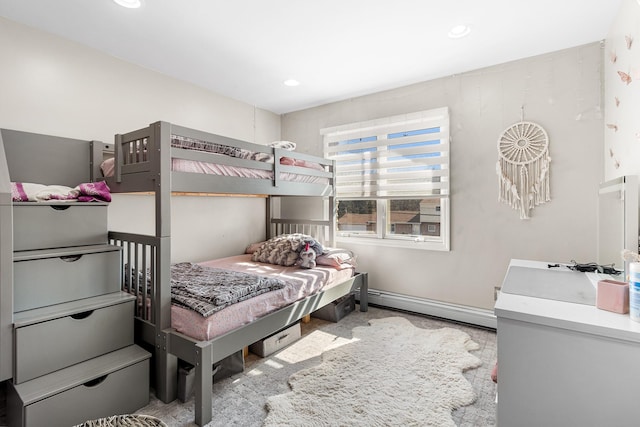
(442, 243)
(455, 312)
(369, 125)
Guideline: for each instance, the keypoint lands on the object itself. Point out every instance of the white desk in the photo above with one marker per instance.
(561, 363)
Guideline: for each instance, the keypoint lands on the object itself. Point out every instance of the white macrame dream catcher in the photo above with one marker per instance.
(523, 167)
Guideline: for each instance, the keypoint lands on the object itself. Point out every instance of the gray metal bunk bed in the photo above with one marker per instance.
(143, 163)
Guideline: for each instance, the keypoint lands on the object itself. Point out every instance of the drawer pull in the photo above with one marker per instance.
(96, 381)
(83, 315)
(60, 207)
(70, 258)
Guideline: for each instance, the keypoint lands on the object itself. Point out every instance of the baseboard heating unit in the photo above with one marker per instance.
(454, 312)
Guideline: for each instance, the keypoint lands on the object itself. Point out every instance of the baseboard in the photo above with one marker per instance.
(458, 313)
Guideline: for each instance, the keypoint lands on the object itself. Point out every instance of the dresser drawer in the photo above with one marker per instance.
(48, 277)
(58, 224)
(45, 347)
(116, 383)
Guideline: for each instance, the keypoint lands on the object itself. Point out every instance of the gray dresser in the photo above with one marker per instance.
(73, 331)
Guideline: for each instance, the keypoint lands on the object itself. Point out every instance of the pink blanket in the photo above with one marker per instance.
(299, 284)
(85, 192)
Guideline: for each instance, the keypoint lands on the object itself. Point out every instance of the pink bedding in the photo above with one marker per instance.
(300, 283)
(191, 166)
(180, 165)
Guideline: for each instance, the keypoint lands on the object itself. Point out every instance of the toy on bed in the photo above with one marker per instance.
(283, 250)
(307, 257)
(289, 249)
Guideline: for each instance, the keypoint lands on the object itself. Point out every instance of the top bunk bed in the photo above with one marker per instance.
(167, 157)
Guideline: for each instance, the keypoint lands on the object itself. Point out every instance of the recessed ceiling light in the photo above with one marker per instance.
(131, 4)
(291, 82)
(459, 31)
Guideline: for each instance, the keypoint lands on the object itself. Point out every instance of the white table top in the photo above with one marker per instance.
(576, 317)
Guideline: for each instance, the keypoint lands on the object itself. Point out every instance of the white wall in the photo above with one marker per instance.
(560, 91)
(53, 86)
(622, 95)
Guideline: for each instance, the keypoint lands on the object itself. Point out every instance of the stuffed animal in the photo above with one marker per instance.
(307, 257)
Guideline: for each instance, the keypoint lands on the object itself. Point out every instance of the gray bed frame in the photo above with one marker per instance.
(143, 164)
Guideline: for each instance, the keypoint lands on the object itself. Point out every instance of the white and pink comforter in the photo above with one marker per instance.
(209, 168)
(192, 166)
(299, 283)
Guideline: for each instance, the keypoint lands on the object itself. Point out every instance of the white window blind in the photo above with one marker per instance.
(402, 156)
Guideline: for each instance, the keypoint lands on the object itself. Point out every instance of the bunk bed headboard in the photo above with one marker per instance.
(323, 230)
(319, 229)
(46, 159)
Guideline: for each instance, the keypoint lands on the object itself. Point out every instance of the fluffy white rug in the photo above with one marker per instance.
(391, 374)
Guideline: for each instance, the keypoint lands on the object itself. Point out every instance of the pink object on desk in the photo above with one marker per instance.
(613, 295)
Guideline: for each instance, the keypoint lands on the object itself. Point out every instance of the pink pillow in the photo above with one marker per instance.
(289, 161)
(337, 258)
(108, 166)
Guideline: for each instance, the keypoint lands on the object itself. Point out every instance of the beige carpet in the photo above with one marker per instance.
(390, 373)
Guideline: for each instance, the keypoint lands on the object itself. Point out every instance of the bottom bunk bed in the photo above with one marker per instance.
(202, 335)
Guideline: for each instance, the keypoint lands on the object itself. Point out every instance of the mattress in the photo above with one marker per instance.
(192, 166)
(300, 283)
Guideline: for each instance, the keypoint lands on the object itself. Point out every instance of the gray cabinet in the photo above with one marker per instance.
(74, 352)
(53, 276)
(52, 225)
(111, 384)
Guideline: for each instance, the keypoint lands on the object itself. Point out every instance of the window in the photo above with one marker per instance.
(392, 179)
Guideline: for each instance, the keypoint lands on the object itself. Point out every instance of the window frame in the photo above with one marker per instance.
(382, 236)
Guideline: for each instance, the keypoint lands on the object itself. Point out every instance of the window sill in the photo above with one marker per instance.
(395, 243)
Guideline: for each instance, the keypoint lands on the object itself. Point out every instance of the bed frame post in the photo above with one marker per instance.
(267, 223)
(332, 220)
(160, 140)
(166, 369)
(364, 291)
(118, 156)
(166, 364)
(333, 206)
(203, 383)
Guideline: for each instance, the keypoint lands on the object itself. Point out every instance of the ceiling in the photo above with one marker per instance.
(336, 49)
